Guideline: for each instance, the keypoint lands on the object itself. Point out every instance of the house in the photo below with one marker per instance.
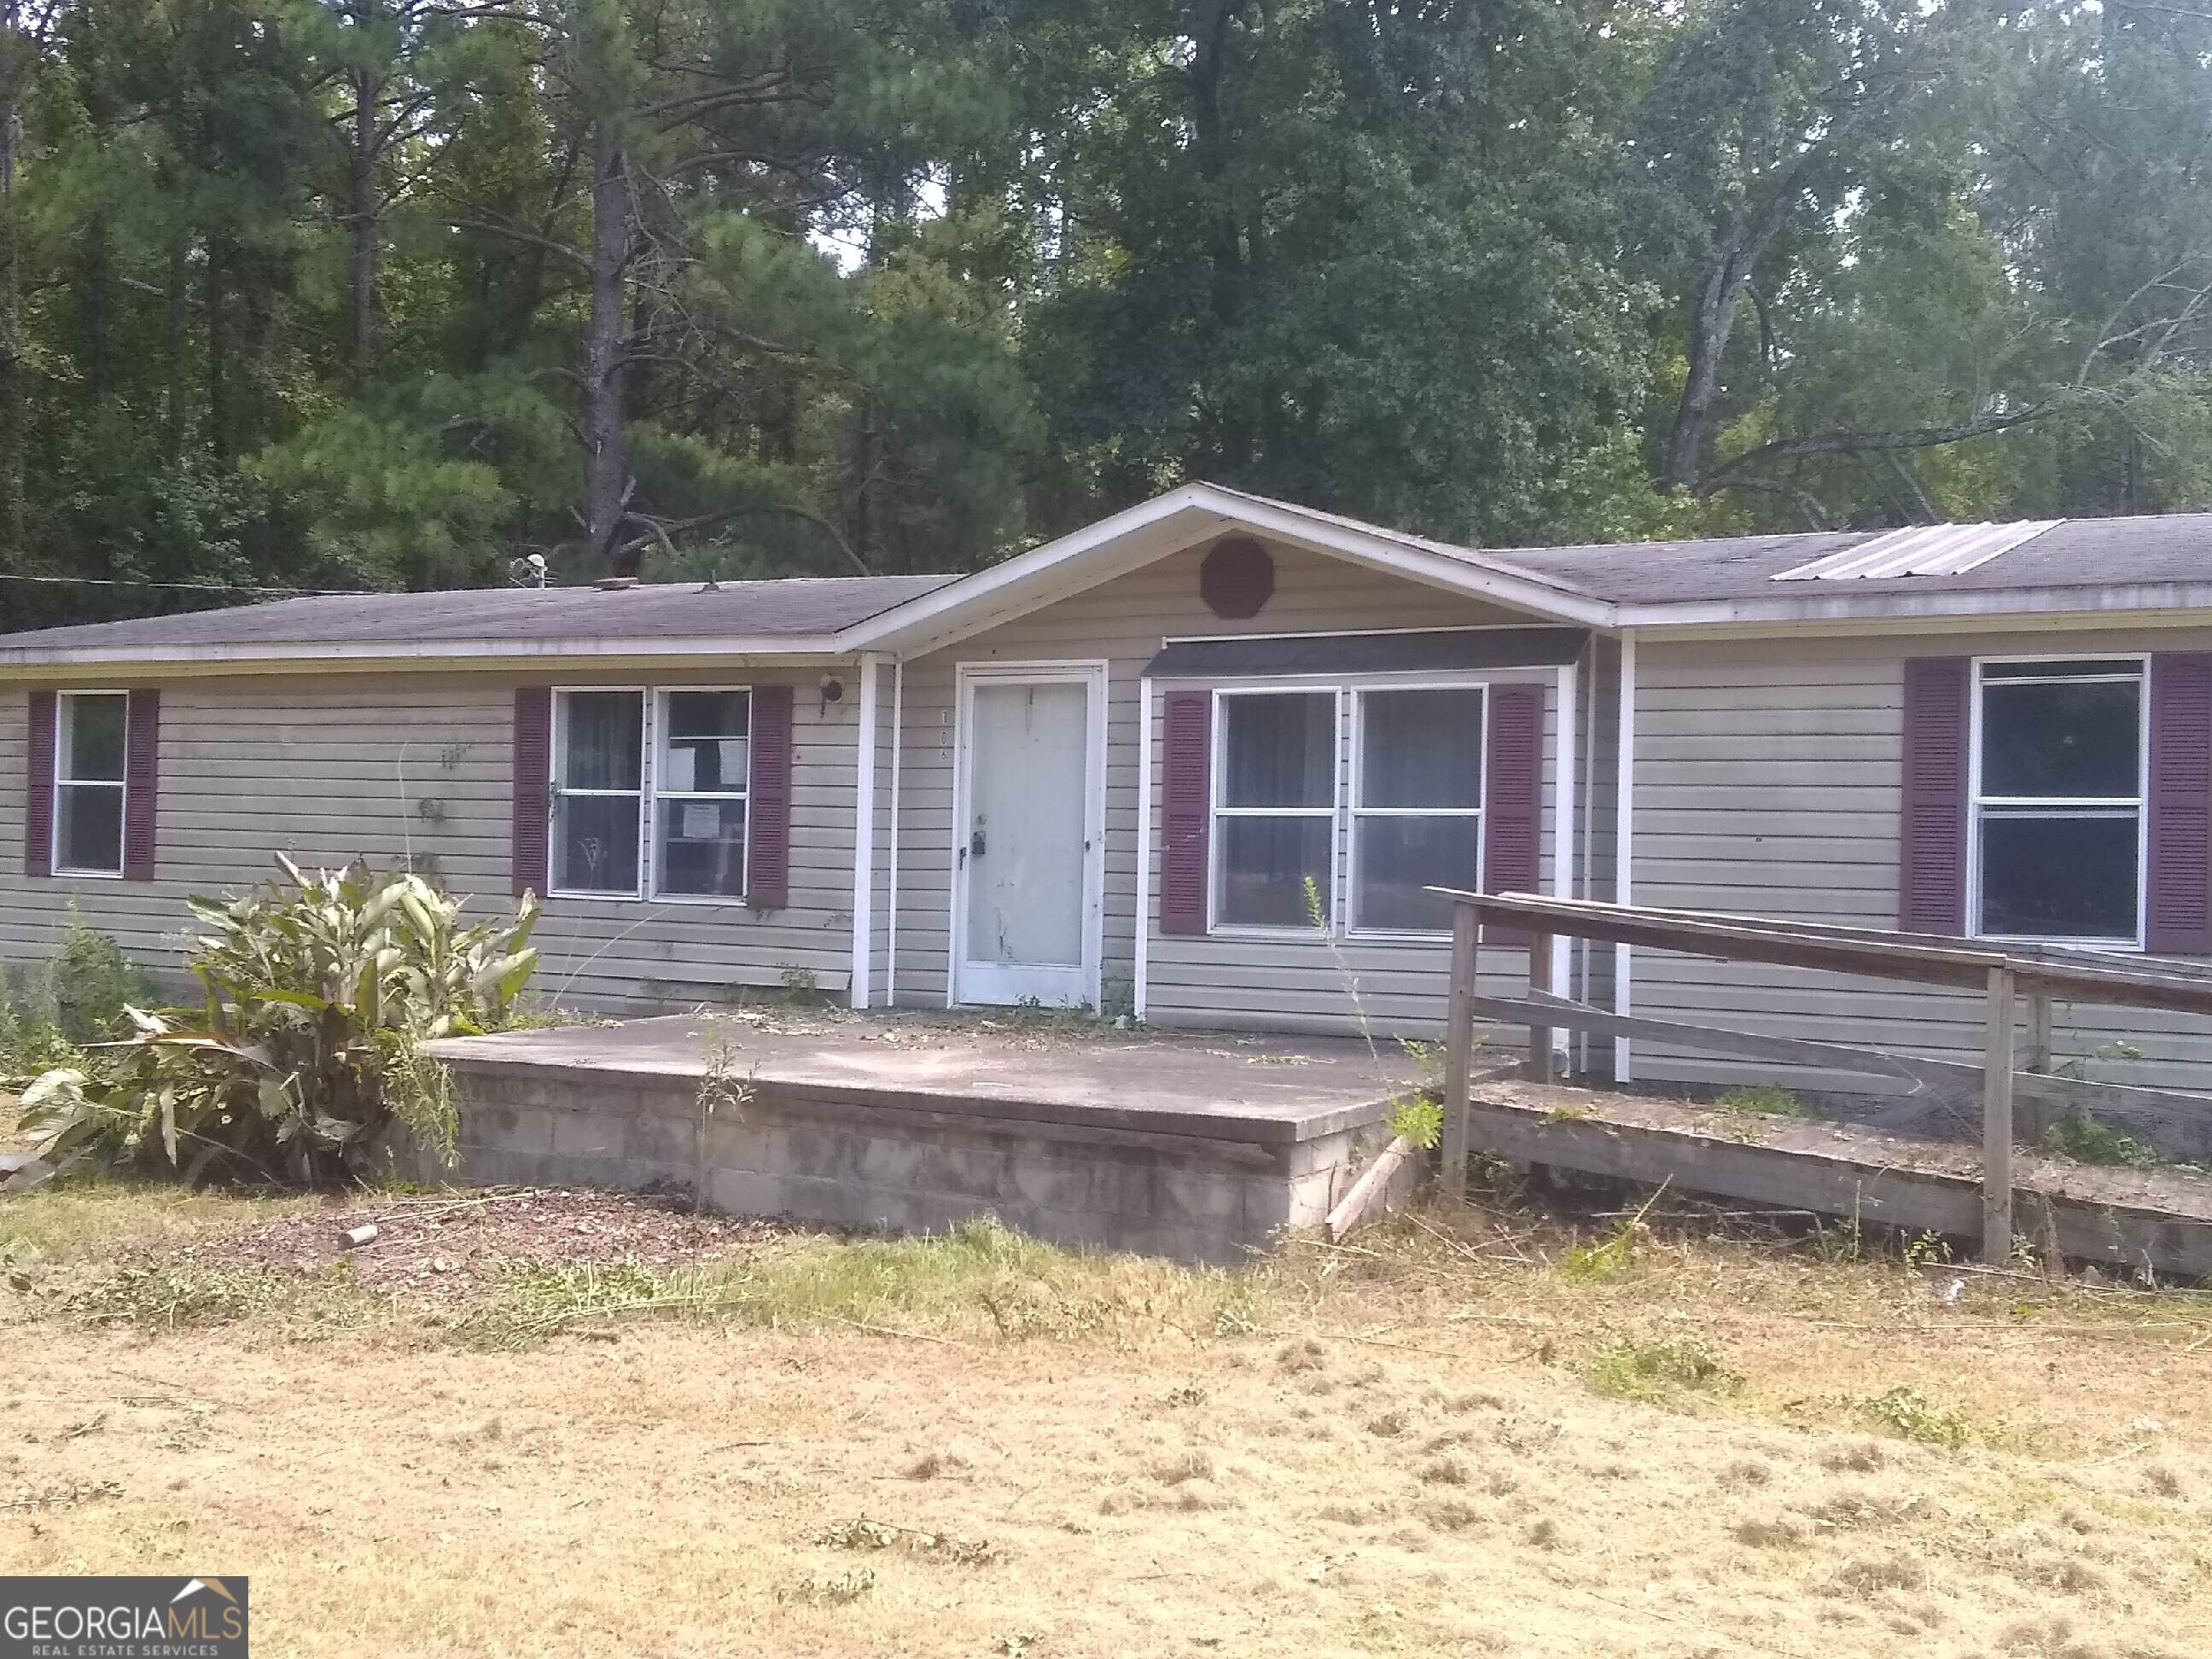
(1197, 762)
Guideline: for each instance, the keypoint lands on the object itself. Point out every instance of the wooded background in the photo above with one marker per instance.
(392, 293)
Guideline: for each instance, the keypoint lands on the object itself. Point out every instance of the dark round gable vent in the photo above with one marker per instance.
(1237, 578)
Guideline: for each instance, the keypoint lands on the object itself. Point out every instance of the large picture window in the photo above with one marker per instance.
(650, 792)
(89, 741)
(1274, 813)
(1416, 807)
(599, 791)
(2058, 801)
(701, 762)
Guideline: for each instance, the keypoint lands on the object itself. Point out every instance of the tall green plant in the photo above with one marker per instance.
(91, 983)
(320, 992)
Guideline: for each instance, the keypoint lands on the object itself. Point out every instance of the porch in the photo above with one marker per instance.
(1198, 1146)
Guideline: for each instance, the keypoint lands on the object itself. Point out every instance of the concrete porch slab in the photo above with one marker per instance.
(1265, 1090)
(1191, 1146)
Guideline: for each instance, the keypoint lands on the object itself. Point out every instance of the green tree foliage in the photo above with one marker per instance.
(390, 293)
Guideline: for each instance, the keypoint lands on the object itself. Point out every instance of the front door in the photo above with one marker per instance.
(1026, 856)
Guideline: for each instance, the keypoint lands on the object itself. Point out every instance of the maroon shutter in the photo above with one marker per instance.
(1932, 838)
(142, 780)
(768, 807)
(533, 787)
(2178, 913)
(1186, 809)
(1513, 797)
(38, 787)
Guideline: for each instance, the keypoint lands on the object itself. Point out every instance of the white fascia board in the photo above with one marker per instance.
(1167, 524)
(24, 662)
(987, 606)
(1025, 580)
(2157, 605)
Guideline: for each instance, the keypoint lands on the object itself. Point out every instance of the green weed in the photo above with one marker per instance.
(2088, 1140)
(1602, 1259)
(980, 1270)
(1656, 1370)
(1418, 1118)
(1612, 1255)
(1909, 1414)
(1766, 1100)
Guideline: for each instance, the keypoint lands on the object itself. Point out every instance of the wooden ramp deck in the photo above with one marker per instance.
(2158, 1219)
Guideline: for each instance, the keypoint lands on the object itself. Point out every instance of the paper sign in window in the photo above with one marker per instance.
(703, 820)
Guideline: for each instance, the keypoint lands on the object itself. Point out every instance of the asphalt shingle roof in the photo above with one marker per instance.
(797, 607)
(2145, 553)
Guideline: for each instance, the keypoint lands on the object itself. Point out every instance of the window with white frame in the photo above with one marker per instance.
(1416, 804)
(598, 792)
(701, 761)
(89, 744)
(1275, 808)
(2059, 800)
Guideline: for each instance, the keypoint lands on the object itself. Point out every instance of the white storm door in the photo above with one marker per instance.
(1025, 841)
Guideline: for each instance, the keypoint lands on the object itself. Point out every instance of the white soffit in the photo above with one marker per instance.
(1938, 550)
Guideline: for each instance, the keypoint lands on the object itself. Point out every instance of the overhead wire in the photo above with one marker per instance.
(192, 587)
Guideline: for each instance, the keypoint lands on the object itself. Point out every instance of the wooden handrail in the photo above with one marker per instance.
(2002, 976)
(1937, 961)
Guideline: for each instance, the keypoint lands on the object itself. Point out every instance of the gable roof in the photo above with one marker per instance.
(2082, 567)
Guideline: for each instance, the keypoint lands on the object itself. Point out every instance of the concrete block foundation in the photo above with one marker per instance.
(1166, 1146)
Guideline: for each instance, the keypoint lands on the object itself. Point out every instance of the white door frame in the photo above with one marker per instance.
(1089, 673)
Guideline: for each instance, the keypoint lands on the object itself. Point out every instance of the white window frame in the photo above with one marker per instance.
(63, 703)
(1480, 812)
(1217, 772)
(556, 789)
(2131, 667)
(656, 796)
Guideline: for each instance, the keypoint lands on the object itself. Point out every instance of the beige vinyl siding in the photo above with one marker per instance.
(1768, 781)
(336, 767)
(1228, 982)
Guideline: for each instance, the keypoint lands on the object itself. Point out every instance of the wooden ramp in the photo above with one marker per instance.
(2153, 1219)
(2156, 1219)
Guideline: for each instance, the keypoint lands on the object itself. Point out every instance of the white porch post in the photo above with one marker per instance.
(864, 827)
(898, 751)
(1139, 986)
(1623, 842)
(1563, 826)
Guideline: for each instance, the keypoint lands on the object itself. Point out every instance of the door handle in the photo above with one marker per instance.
(975, 844)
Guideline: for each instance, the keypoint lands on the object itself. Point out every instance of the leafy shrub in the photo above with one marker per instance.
(319, 990)
(91, 984)
(78, 995)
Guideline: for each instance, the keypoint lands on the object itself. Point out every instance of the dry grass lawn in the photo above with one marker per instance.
(977, 1446)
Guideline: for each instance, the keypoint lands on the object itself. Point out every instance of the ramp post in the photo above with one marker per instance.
(1459, 1050)
(1996, 1122)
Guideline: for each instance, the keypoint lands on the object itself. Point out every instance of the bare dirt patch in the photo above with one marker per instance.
(448, 1246)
